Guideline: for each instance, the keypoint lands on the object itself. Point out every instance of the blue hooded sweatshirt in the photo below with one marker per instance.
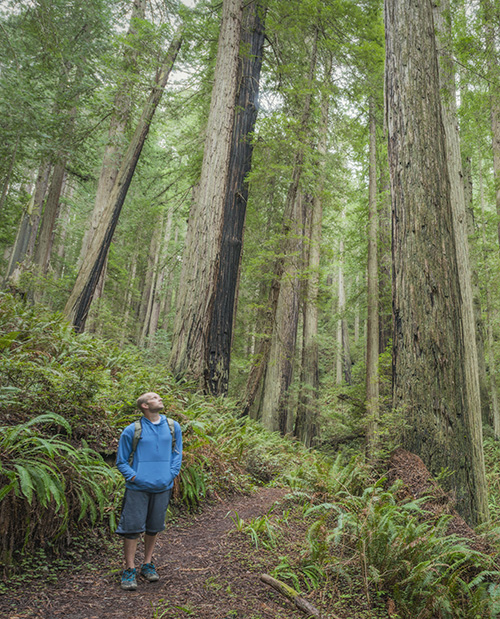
(155, 465)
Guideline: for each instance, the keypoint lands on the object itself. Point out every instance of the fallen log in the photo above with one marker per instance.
(292, 595)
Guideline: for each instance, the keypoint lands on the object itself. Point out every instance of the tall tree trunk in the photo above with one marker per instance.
(81, 296)
(429, 376)
(338, 355)
(50, 212)
(385, 262)
(6, 182)
(279, 370)
(24, 245)
(128, 297)
(203, 239)
(160, 277)
(491, 18)
(476, 295)
(168, 300)
(307, 410)
(64, 220)
(357, 317)
(495, 409)
(447, 85)
(218, 348)
(372, 330)
(150, 285)
(344, 349)
(115, 146)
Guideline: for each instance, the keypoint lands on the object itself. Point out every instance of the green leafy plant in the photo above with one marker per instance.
(402, 550)
(50, 485)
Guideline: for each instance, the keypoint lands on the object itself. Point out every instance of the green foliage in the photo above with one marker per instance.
(492, 462)
(49, 487)
(406, 553)
(69, 389)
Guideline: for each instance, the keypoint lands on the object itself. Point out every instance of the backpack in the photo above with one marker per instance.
(137, 436)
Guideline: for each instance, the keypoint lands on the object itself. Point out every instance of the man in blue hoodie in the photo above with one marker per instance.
(149, 479)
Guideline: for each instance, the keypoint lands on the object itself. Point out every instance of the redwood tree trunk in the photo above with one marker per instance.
(442, 17)
(115, 147)
(24, 245)
(78, 304)
(372, 329)
(429, 375)
(50, 213)
(279, 370)
(306, 422)
(218, 349)
(284, 296)
(203, 239)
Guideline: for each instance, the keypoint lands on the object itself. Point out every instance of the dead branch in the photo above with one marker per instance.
(292, 595)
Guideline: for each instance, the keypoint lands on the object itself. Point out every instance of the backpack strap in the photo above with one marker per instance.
(137, 436)
(135, 440)
(172, 431)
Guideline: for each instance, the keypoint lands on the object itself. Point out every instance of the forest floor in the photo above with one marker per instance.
(208, 570)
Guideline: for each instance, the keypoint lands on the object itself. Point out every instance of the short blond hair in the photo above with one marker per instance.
(143, 399)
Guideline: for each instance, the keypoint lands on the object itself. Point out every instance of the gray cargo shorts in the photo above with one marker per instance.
(143, 512)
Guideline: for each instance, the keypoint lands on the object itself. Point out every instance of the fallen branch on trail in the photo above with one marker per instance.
(292, 595)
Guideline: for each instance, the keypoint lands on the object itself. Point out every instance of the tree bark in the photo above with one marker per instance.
(292, 595)
(24, 245)
(429, 376)
(372, 330)
(344, 362)
(476, 295)
(385, 263)
(218, 349)
(491, 14)
(495, 409)
(447, 86)
(128, 296)
(115, 147)
(149, 286)
(307, 409)
(279, 371)
(78, 304)
(160, 293)
(284, 323)
(203, 239)
(46, 233)
(6, 182)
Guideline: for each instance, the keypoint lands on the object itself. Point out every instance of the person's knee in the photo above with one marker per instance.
(131, 535)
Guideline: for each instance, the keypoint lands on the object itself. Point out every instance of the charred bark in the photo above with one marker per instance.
(218, 349)
(82, 294)
(201, 255)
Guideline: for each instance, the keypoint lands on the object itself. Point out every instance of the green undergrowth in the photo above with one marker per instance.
(366, 553)
(64, 400)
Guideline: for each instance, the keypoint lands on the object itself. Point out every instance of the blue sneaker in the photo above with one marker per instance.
(129, 583)
(149, 572)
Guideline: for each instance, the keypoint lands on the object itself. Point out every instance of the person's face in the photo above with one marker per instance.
(154, 403)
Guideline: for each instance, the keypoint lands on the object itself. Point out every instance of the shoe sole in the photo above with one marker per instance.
(150, 579)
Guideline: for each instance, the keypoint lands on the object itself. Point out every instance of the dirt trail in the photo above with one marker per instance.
(205, 573)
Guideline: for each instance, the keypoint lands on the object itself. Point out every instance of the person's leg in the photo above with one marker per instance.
(132, 523)
(149, 544)
(155, 522)
(129, 548)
